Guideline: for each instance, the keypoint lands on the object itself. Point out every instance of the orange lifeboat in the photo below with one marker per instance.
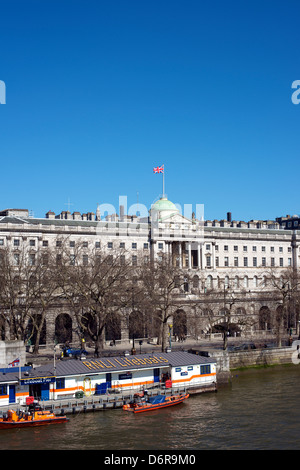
(36, 417)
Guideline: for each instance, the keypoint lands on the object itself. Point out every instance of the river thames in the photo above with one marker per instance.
(259, 410)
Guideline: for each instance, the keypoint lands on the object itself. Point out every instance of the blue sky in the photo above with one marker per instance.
(100, 92)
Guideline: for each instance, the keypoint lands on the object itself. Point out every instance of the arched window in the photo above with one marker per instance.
(236, 282)
(246, 283)
(209, 282)
(195, 282)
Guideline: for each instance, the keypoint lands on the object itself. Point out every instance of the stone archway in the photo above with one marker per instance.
(137, 325)
(180, 324)
(265, 318)
(113, 327)
(63, 328)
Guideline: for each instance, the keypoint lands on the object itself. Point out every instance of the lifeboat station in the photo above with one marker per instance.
(70, 378)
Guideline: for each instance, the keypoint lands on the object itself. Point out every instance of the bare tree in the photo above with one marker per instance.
(162, 283)
(94, 283)
(284, 290)
(17, 293)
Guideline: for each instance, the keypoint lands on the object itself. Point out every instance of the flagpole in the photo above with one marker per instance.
(163, 180)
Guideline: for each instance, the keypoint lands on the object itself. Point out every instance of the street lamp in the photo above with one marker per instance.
(170, 338)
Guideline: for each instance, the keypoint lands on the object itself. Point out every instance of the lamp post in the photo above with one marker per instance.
(170, 337)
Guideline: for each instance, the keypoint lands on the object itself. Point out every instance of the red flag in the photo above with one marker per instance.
(158, 169)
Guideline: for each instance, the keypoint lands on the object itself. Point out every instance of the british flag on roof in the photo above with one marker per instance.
(14, 363)
(158, 169)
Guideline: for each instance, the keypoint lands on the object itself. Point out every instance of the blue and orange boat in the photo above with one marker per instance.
(144, 403)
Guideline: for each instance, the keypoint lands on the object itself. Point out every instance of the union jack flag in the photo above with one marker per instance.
(14, 363)
(158, 169)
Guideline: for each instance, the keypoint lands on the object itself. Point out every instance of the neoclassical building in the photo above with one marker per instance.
(226, 262)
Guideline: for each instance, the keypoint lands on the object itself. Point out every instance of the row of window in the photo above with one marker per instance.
(245, 248)
(110, 245)
(246, 262)
(45, 243)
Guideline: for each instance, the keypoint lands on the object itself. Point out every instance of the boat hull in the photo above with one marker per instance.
(33, 423)
(144, 407)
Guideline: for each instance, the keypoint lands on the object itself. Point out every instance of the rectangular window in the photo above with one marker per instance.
(134, 246)
(236, 248)
(125, 376)
(32, 259)
(60, 383)
(281, 262)
(245, 262)
(160, 246)
(32, 242)
(254, 248)
(263, 261)
(122, 244)
(272, 249)
(85, 244)
(226, 262)
(16, 242)
(16, 259)
(207, 247)
(289, 261)
(236, 261)
(208, 261)
(255, 262)
(145, 246)
(217, 261)
(3, 389)
(272, 261)
(85, 260)
(204, 370)
(134, 260)
(245, 248)
(97, 244)
(263, 248)
(109, 245)
(45, 260)
(45, 242)
(72, 244)
(225, 247)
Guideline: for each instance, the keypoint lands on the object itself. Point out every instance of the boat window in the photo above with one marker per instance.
(205, 369)
(3, 389)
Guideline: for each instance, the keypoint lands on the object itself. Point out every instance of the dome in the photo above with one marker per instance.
(163, 204)
(162, 209)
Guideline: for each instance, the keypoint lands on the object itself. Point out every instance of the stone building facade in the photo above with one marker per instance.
(226, 262)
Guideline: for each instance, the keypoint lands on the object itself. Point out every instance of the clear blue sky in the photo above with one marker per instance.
(99, 92)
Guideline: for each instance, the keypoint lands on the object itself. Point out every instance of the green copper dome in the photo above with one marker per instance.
(164, 205)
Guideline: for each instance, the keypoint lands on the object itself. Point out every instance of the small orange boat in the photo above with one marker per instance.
(141, 404)
(36, 417)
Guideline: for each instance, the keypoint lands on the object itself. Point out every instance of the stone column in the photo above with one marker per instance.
(190, 254)
(180, 254)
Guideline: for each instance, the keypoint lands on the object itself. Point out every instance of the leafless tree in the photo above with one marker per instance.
(94, 283)
(162, 283)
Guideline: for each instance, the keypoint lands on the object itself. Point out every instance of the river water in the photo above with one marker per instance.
(258, 410)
